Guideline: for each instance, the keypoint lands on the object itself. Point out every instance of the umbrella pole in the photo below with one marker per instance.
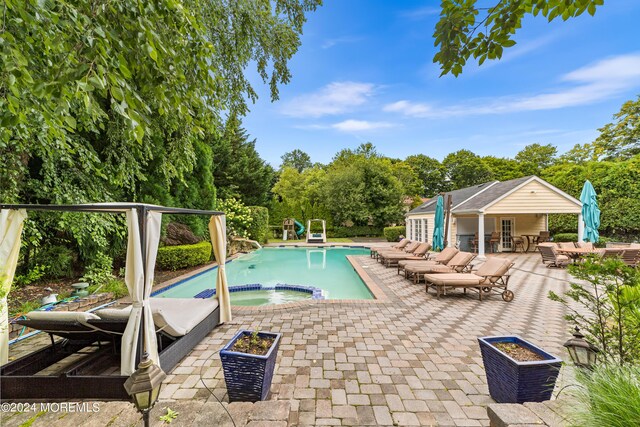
(446, 220)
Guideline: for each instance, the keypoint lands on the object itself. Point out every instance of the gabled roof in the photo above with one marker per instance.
(457, 197)
(479, 197)
(496, 191)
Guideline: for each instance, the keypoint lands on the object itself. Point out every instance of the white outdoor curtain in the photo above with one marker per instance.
(139, 287)
(11, 222)
(218, 231)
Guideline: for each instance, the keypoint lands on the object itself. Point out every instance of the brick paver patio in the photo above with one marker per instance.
(410, 360)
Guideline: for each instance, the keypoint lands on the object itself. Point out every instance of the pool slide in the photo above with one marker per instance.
(299, 228)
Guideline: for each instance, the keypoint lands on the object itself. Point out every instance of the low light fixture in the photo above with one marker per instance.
(144, 386)
(582, 352)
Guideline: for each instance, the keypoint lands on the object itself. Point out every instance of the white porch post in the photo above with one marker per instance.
(424, 230)
(580, 228)
(449, 234)
(408, 236)
(481, 236)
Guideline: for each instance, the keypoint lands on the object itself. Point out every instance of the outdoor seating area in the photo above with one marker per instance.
(367, 363)
(562, 254)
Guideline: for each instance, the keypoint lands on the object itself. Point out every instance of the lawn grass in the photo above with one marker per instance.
(329, 240)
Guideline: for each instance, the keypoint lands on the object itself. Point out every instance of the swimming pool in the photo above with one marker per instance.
(324, 268)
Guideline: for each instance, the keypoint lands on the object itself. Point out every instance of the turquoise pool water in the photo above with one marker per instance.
(324, 268)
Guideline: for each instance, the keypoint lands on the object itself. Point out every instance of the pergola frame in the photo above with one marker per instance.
(18, 379)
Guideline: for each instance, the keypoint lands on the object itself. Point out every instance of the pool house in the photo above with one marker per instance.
(505, 209)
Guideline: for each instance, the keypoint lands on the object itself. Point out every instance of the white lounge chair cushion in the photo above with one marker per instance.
(178, 316)
(62, 316)
(454, 279)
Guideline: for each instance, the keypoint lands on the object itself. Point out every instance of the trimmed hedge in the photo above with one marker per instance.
(259, 228)
(355, 231)
(565, 237)
(392, 234)
(183, 256)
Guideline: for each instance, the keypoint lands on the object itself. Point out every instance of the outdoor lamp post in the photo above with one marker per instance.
(582, 352)
(144, 386)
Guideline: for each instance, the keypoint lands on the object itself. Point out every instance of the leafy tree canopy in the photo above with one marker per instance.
(431, 174)
(467, 29)
(297, 159)
(465, 169)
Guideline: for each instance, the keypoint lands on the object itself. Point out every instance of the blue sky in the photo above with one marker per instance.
(365, 73)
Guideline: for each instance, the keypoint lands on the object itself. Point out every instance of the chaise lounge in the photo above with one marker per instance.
(389, 259)
(492, 275)
(458, 264)
(398, 247)
(440, 258)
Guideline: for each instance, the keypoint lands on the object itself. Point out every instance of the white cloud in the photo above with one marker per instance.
(360, 125)
(334, 98)
(587, 85)
(421, 12)
(340, 40)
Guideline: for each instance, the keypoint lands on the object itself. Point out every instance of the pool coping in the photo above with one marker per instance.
(378, 295)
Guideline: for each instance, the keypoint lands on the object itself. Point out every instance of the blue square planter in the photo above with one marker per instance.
(248, 376)
(511, 381)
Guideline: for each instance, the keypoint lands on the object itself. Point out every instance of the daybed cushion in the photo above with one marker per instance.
(62, 316)
(454, 279)
(177, 316)
(114, 313)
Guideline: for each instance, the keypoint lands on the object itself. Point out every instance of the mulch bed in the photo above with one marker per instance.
(35, 292)
(518, 352)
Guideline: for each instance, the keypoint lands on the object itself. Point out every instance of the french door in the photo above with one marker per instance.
(507, 229)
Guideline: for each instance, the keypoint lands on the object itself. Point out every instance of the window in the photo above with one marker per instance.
(418, 230)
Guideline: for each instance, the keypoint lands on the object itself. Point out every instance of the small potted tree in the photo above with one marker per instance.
(517, 370)
(248, 362)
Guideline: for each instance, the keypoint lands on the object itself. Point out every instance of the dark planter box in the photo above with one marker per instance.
(248, 376)
(511, 381)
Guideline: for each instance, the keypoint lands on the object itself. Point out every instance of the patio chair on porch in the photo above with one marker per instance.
(440, 258)
(492, 275)
(550, 257)
(517, 243)
(458, 264)
(494, 241)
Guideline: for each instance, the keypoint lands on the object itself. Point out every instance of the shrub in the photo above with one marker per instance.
(392, 234)
(259, 228)
(355, 231)
(565, 237)
(100, 271)
(116, 286)
(238, 217)
(58, 260)
(605, 304)
(183, 256)
(608, 396)
(34, 274)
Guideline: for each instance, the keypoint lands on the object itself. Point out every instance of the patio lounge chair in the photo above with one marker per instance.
(492, 275)
(458, 264)
(390, 259)
(409, 248)
(398, 246)
(440, 258)
(550, 257)
(631, 257)
(586, 245)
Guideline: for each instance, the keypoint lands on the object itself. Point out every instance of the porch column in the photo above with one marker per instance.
(481, 236)
(450, 242)
(408, 236)
(580, 228)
